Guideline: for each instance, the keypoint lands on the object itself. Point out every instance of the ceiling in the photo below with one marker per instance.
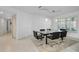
(4, 13)
(47, 10)
(51, 11)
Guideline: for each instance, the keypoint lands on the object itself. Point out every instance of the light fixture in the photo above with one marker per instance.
(56, 20)
(1, 12)
(46, 19)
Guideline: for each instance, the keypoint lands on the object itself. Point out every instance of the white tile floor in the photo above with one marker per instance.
(13, 45)
(7, 44)
(73, 48)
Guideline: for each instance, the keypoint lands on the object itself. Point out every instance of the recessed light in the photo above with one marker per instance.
(46, 19)
(1, 12)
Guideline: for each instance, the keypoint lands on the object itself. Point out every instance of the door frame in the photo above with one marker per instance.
(14, 26)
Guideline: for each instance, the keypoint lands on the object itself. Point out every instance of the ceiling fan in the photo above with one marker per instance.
(46, 9)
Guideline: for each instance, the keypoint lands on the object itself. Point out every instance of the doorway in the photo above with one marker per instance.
(8, 26)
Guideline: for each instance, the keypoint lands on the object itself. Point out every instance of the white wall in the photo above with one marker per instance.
(3, 26)
(23, 25)
(40, 22)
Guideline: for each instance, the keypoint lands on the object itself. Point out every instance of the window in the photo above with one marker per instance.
(67, 23)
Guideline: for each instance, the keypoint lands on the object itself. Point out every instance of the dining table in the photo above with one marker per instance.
(45, 33)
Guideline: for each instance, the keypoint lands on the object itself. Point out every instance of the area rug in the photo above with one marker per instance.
(53, 45)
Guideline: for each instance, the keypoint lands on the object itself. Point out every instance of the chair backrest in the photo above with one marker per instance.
(63, 29)
(63, 34)
(42, 29)
(56, 35)
(49, 29)
(34, 33)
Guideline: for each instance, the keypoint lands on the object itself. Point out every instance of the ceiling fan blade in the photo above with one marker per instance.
(39, 6)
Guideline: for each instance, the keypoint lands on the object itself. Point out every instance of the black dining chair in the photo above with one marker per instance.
(34, 34)
(54, 35)
(37, 36)
(49, 29)
(63, 34)
(42, 29)
(63, 29)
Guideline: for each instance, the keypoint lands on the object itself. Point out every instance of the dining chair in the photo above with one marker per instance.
(42, 29)
(54, 35)
(63, 34)
(63, 29)
(49, 29)
(34, 34)
(37, 36)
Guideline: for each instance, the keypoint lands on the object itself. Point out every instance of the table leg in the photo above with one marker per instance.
(46, 40)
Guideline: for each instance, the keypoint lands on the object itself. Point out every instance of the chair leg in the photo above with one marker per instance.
(37, 38)
(41, 39)
(62, 38)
